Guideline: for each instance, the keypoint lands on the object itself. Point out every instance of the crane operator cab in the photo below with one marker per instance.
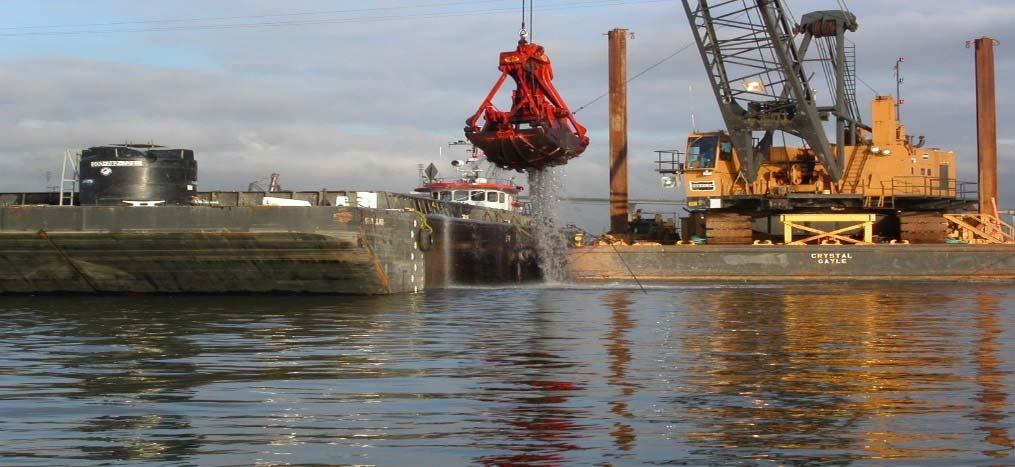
(703, 151)
(707, 166)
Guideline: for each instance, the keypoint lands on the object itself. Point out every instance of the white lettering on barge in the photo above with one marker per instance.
(137, 163)
(831, 258)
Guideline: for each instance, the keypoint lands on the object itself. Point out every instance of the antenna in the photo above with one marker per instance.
(898, 87)
(690, 99)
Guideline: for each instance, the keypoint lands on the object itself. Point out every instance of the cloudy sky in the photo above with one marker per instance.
(355, 94)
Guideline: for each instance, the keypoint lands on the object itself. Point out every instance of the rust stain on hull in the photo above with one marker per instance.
(382, 277)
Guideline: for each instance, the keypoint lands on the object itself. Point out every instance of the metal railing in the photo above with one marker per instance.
(915, 185)
(500, 181)
(929, 187)
(670, 161)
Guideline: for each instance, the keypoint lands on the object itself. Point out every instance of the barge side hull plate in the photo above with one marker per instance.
(793, 262)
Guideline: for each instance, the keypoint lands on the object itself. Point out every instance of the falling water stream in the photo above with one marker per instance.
(551, 243)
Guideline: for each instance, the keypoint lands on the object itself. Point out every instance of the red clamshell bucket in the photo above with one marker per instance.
(539, 131)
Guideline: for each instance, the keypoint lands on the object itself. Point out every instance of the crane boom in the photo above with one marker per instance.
(756, 71)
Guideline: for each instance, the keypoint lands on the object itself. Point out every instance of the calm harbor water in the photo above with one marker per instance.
(748, 374)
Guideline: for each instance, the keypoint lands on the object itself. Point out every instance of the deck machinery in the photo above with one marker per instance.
(738, 182)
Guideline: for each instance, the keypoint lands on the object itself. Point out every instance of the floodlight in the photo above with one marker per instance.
(754, 86)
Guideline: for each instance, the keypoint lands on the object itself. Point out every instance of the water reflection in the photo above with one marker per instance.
(135, 363)
(537, 425)
(126, 438)
(993, 399)
(155, 352)
(619, 349)
(782, 375)
(715, 374)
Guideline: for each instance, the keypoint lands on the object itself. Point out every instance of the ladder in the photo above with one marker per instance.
(849, 80)
(982, 228)
(69, 184)
(854, 171)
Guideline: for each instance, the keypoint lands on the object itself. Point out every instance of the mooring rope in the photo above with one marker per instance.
(629, 269)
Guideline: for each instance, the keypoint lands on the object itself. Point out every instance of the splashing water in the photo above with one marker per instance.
(551, 242)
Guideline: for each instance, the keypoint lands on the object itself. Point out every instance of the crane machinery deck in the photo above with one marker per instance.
(738, 182)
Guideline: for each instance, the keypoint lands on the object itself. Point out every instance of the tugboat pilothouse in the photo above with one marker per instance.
(476, 184)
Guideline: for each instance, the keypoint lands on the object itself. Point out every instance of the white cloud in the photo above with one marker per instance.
(36, 124)
(251, 140)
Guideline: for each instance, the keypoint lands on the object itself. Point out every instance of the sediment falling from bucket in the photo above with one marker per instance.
(545, 187)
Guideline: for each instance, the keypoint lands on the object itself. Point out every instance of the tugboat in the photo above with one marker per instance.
(476, 184)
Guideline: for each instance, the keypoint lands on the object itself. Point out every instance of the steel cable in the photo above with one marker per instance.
(310, 22)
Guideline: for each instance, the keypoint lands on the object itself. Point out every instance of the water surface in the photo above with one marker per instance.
(698, 374)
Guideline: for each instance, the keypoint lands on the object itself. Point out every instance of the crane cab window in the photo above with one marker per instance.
(701, 152)
(461, 195)
(725, 151)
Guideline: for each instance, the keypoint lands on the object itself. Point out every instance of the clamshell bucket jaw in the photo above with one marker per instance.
(539, 131)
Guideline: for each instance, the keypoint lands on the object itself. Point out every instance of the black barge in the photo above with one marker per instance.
(230, 242)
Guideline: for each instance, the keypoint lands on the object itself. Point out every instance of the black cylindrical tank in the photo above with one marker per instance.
(120, 174)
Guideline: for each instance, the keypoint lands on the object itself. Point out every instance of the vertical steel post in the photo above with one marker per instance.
(618, 130)
(840, 97)
(986, 124)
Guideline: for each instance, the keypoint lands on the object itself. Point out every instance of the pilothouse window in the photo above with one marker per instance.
(445, 196)
(461, 195)
(491, 196)
(478, 196)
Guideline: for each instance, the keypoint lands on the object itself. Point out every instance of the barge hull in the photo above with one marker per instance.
(46, 249)
(792, 262)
